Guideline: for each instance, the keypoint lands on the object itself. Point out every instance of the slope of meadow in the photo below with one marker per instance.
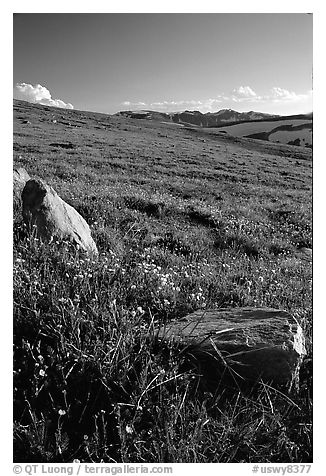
(282, 130)
(184, 220)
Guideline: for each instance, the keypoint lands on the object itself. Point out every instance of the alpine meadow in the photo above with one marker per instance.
(185, 219)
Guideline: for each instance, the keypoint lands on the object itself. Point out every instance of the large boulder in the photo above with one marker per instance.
(53, 217)
(305, 253)
(20, 177)
(244, 345)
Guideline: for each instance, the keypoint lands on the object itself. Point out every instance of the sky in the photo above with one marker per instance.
(166, 62)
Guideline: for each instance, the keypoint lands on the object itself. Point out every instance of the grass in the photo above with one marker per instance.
(181, 225)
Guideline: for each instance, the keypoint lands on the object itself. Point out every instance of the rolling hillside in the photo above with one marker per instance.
(287, 131)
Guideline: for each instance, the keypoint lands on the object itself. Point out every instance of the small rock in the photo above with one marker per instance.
(53, 217)
(305, 253)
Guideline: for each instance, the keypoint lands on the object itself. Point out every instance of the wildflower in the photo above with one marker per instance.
(61, 412)
(129, 429)
(42, 373)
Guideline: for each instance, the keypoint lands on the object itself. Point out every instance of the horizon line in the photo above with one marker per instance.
(160, 112)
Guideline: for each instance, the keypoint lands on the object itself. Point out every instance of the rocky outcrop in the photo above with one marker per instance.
(52, 217)
(240, 345)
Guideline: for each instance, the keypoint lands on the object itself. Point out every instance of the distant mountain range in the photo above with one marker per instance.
(210, 119)
(146, 114)
(216, 119)
(293, 130)
(197, 118)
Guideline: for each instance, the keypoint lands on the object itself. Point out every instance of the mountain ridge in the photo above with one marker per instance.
(209, 119)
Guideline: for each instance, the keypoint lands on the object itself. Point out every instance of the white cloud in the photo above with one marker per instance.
(280, 94)
(134, 104)
(245, 92)
(277, 95)
(168, 106)
(186, 103)
(242, 96)
(38, 94)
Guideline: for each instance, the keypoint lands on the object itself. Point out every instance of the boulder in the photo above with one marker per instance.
(244, 345)
(305, 253)
(20, 177)
(53, 217)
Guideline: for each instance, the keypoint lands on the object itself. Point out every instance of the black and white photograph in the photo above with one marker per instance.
(162, 241)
